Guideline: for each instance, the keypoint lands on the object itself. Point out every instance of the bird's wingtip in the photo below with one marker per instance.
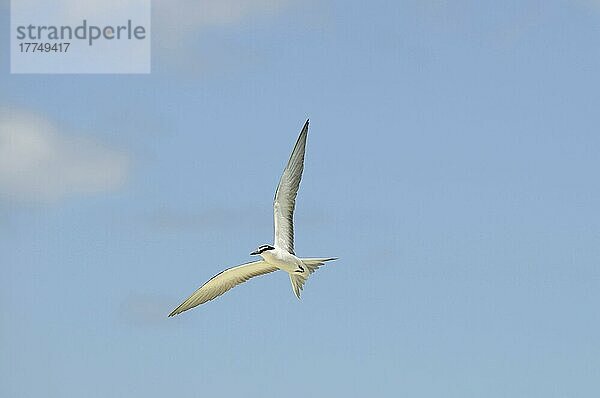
(173, 313)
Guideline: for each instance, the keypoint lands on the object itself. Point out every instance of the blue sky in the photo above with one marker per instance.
(452, 165)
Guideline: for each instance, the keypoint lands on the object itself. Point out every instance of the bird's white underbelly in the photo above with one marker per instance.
(282, 260)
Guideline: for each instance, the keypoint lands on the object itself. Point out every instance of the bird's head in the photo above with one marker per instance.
(261, 249)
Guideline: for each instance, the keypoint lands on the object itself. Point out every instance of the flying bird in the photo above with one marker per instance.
(278, 256)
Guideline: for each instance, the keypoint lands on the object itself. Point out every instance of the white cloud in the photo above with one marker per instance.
(40, 163)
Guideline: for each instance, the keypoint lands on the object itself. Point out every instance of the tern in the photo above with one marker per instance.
(278, 256)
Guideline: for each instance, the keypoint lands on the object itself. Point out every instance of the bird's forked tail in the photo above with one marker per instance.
(310, 266)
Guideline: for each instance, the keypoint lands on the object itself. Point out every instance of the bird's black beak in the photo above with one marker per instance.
(255, 253)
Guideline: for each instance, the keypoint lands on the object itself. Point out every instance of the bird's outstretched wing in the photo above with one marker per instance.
(222, 282)
(285, 196)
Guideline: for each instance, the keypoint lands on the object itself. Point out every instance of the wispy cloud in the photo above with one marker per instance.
(226, 218)
(146, 310)
(181, 31)
(168, 219)
(186, 35)
(592, 3)
(41, 163)
(200, 14)
(183, 14)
